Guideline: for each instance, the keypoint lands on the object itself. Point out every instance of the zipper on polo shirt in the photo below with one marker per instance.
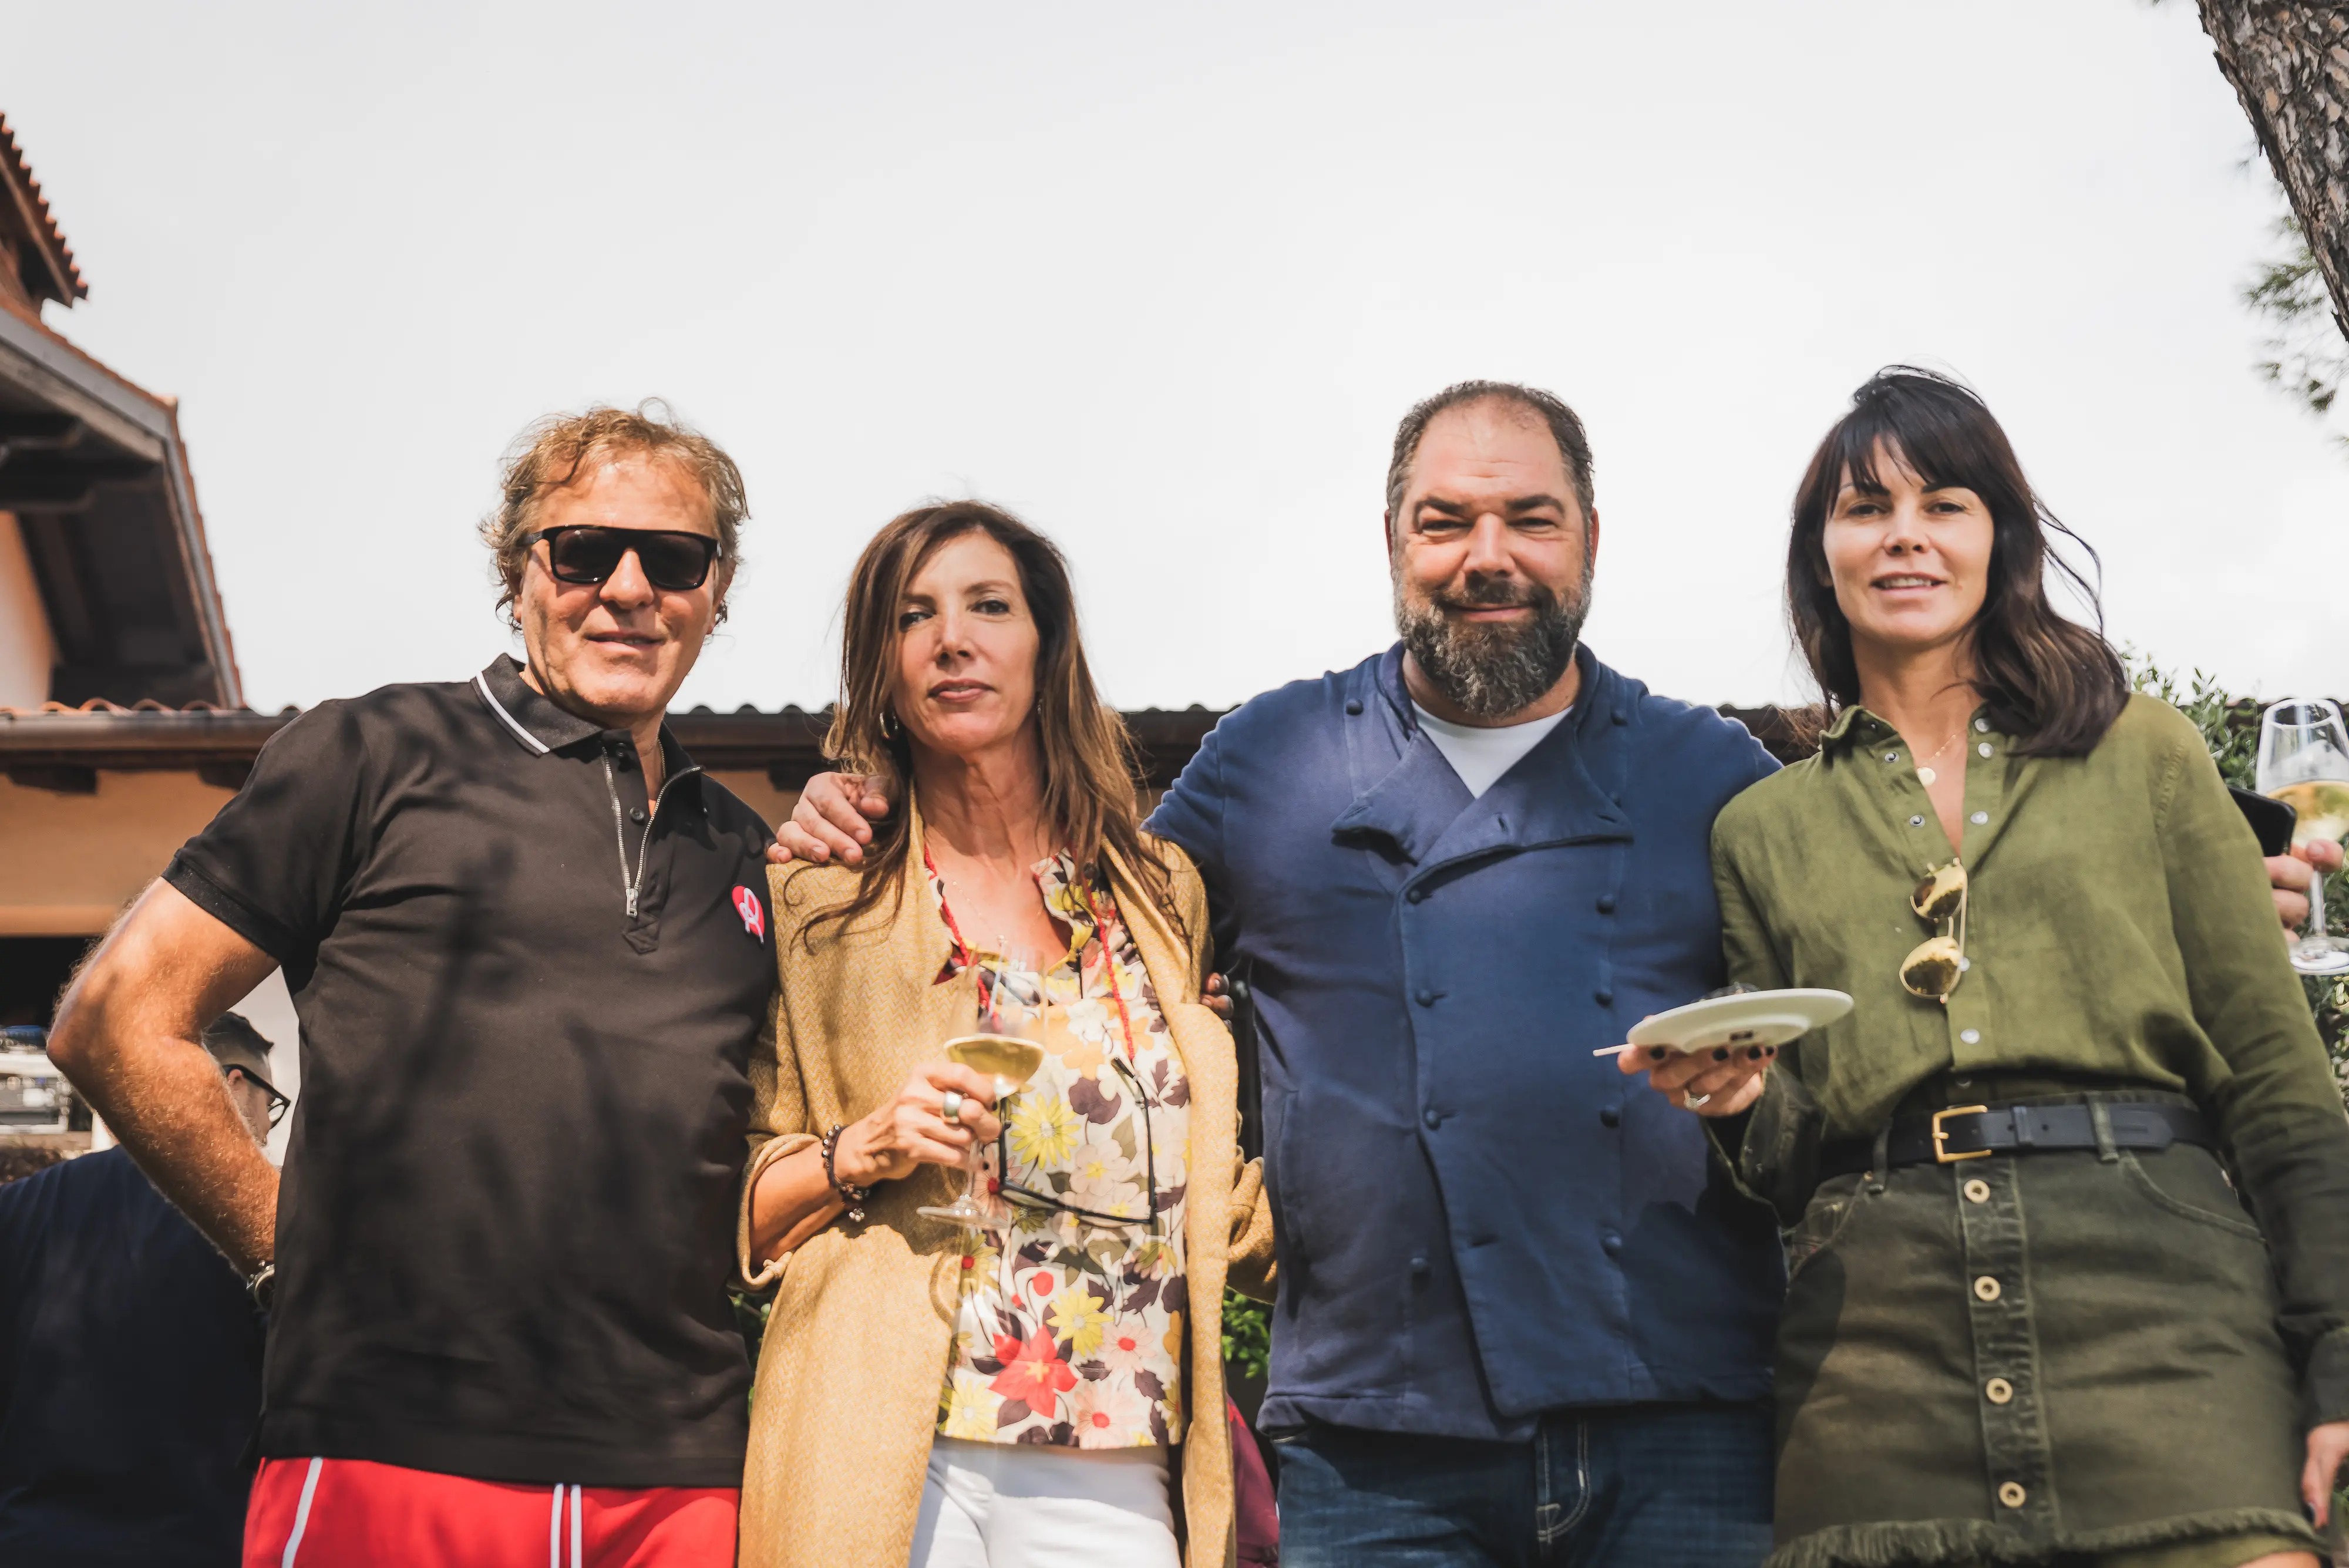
(631, 883)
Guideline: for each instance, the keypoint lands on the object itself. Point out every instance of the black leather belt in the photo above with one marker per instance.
(1977, 1132)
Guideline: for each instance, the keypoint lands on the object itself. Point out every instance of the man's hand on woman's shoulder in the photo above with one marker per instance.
(830, 821)
(1216, 998)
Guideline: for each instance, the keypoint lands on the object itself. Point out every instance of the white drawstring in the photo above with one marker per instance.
(553, 1524)
(302, 1513)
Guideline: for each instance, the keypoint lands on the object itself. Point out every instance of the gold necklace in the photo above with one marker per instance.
(1925, 775)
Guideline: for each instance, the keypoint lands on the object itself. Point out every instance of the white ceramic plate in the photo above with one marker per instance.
(1751, 1018)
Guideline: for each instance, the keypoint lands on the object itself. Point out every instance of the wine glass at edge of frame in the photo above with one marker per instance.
(2303, 761)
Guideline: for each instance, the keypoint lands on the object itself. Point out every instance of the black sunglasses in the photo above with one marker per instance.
(1028, 1196)
(277, 1100)
(582, 552)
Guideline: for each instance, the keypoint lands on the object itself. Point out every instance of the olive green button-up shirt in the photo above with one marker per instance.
(2119, 925)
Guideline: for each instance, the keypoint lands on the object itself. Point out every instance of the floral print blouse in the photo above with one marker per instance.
(1070, 1331)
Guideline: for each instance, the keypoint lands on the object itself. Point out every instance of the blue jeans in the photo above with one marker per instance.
(1647, 1486)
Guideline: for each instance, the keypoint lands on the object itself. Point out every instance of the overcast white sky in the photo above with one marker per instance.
(1162, 280)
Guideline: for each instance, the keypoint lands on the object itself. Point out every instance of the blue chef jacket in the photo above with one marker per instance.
(1479, 1221)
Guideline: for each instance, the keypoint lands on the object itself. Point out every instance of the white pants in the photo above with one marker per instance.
(1020, 1505)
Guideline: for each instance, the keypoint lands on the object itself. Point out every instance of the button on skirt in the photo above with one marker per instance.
(2022, 1358)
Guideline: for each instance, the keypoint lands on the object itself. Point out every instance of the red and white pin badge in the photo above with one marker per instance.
(754, 918)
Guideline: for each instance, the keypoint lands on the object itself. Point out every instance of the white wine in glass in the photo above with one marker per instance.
(1008, 1048)
(2324, 809)
(2304, 761)
(1009, 1060)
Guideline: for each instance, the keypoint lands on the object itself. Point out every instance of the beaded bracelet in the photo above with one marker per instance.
(850, 1193)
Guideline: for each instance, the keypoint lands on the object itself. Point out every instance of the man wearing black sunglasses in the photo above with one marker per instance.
(527, 938)
(130, 1357)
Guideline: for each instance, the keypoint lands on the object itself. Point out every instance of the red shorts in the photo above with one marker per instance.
(352, 1514)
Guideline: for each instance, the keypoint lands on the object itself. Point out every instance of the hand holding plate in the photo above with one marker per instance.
(1710, 1057)
(1716, 1082)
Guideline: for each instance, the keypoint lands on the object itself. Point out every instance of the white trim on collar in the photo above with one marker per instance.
(482, 684)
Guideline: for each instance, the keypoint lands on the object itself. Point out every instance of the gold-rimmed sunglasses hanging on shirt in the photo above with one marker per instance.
(1933, 967)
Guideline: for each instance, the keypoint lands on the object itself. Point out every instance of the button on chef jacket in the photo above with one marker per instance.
(1478, 1221)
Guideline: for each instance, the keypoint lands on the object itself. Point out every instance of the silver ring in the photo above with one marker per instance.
(954, 1108)
(1696, 1100)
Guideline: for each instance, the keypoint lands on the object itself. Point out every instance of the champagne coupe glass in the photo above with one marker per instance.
(1008, 1047)
(2304, 762)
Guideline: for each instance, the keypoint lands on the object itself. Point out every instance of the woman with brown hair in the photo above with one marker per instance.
(2029, 1320)
(946, 1395)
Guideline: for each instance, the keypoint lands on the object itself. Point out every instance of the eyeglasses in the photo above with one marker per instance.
(277, 1101)
(1932, 967)
(672, 561)
(1032, 1199)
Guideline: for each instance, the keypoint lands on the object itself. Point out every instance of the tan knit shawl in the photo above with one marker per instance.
(856, 1346)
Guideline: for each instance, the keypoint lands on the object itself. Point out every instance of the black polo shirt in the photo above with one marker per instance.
(528, 996)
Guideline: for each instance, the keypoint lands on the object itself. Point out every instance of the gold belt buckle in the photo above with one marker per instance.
(1941, 1155)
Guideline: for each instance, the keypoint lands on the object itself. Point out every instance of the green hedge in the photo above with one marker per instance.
(1248, 1335)
(2230, 728)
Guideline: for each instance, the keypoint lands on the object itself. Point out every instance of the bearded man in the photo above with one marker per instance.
(1521, 1317)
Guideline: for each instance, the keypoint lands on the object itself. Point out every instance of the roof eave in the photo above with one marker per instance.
(39, 223)
(49, 367)
(788, 745)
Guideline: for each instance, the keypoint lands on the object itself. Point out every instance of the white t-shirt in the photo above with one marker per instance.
(1481, 754)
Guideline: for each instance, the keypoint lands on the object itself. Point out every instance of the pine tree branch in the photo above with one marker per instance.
(2288, 62)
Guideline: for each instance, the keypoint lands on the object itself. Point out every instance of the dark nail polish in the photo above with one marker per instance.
(1721, 1054)
(1656, 1053)
(1754, 1052)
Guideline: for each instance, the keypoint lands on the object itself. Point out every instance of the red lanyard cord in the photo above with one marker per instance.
(1108, 968)
(965, 958)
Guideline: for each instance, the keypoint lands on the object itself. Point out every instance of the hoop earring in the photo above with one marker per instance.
(890, 728)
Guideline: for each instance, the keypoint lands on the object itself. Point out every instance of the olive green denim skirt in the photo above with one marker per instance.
(2048, 1358)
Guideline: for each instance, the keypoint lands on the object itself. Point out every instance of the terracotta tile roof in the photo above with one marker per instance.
(786, 743)
(787, 738)
(46, 232)
(99, 707)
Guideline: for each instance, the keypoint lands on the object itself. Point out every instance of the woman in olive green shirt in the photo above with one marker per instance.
(2029, 1320)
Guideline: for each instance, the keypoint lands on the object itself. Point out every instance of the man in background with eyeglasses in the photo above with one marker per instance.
(130, 1357)
(527, 937)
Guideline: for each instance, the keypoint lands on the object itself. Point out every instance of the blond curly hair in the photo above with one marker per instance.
(556, 450)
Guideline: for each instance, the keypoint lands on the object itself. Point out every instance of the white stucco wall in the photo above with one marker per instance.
(69, 863)
(25, 650)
